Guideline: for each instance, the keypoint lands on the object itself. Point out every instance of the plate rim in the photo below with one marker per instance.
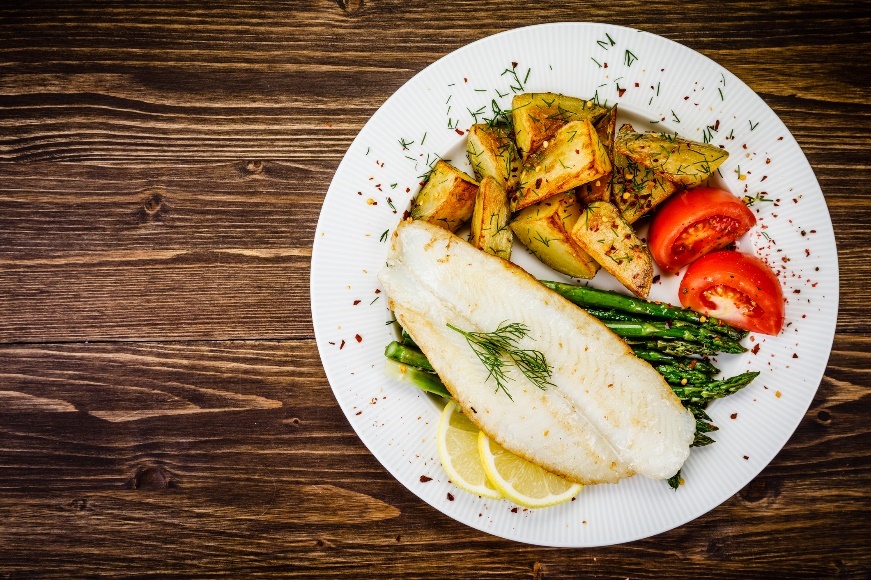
(829, 329)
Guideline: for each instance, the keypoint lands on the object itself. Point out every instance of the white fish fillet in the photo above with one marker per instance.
(610, 415)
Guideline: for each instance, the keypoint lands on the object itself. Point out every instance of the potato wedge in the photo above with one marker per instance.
(681, 161)
(492, 153)
(636, 189)
(490, 231)
(600, 189)
(538, 116)
(574, 156)
(610, 240)
(544, 229)
(447, 199)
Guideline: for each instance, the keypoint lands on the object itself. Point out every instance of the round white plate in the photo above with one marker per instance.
(668, 87)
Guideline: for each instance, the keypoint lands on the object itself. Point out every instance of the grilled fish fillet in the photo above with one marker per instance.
(609, 414)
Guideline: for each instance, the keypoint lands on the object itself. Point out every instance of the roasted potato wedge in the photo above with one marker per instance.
(544, 229)
(610, 240)
(600, 189)
(447, 199)
(683, 162)
(636, 189)
(490, 231)
(538, 116)
(492, 153)
(573, 156)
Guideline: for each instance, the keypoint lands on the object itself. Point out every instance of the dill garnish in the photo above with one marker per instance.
(498, 349)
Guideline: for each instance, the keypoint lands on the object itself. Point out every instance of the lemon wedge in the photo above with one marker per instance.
(458, 452)
(523, 482)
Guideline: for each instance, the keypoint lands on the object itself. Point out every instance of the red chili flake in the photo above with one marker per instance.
(755, 349)
(780, 138)
(358, 337)
(341, 346)
(813, 231)
(733, 416)
(746, 458)
(794, 355)
(377, 291)
(796, 291)
(356, 302)
(513, 64)
(333, 343)
(424, 479)
(717, 125)
(407, 189)
(606, 65)
(636, 86)
(450, 496)
(465, 80)
(459, 131)
(744, 145)
(514, 510)
(359, 413)
(620, 92)
(764, 177)
(359, 193)
(406, 215)
(794, 200)
(807, 252)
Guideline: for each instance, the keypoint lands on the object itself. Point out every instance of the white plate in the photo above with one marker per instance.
(665, 82)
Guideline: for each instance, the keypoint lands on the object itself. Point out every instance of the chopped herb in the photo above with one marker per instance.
(752, 126)
(630, 58)
(596, 61)
(497, 349)
(384, 235)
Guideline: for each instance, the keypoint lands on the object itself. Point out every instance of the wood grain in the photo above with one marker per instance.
(163, 410)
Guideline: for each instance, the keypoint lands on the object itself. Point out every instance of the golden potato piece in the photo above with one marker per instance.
(490, 231)
(544, 229)
(574, 156)
(492, 153)
(636, 190)
(610, 240)
(683, 162)
(538, 116)
(600, 189)
(447, 199)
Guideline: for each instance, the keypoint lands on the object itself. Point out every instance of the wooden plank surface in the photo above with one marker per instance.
(162, 405)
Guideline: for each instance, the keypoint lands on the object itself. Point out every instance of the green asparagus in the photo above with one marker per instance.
(407, 355)
(675, 374)
(664, 330)
(590, 297)
(713, 390)
(674, 347)
(656, 357)
(426, 381)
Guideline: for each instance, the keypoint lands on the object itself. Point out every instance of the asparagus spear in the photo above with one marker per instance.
(407, 355)
(663, 330)
(615, 315)
(429, 382)
(590, 297)
(713, 390)
(407, 340)
(674, 347)
(655, 357)
(678, 375)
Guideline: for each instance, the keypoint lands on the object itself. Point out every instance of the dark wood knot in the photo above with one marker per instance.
(351, 7)
(761, 488)
(79, 505)
(151, 479)
(152, 206)
(824, 417)
(718, 548)
(253, 168)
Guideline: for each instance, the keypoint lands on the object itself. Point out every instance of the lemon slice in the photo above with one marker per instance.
(523, 482)
(458, 452)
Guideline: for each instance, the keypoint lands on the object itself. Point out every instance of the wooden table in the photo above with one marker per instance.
(163, 409)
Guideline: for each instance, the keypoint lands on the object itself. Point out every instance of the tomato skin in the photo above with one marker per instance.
(737, 288)
(695, 222)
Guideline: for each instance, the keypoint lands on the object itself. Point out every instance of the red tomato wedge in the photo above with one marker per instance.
(737, 288)
(695, 222)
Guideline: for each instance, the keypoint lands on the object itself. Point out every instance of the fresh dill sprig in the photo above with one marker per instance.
(498, 349)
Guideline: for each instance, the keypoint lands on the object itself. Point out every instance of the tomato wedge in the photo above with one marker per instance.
(737, 288)
(695, 222)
